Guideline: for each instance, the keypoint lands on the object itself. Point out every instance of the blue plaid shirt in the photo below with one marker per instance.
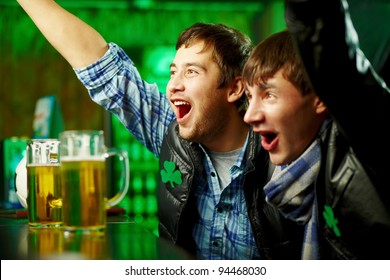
(223, 231)
(114, 83)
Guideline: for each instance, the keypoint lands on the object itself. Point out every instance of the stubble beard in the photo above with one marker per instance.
(204, 131)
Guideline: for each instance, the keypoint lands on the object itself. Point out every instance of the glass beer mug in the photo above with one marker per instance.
(44, 197)
(84, 179)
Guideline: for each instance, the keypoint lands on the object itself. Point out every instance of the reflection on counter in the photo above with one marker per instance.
(57, 244)
(121, 240)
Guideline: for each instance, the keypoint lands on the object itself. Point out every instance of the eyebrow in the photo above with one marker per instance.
(189, 64)
(263, 86)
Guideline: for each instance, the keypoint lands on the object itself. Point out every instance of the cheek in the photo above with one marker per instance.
(288, 122)
(296, 129)
(279, 114)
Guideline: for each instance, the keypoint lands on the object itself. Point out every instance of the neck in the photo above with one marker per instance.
(231, 138)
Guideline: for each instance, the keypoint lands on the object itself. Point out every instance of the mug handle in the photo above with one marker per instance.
(124, 159)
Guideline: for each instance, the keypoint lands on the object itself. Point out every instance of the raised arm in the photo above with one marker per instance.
(355, 95)
(339, 71)
(75, 40)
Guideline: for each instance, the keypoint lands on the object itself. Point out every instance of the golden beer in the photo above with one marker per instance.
(44, 195)
(84, 193)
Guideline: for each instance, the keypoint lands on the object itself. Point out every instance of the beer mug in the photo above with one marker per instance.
(44, 197)
(84, 179)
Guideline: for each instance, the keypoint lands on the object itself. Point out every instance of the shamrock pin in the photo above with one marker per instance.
(170, 174)
(331, 221)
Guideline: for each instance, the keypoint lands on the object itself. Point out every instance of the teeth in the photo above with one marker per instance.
(179, 103)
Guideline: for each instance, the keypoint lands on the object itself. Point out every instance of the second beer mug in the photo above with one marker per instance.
(84, 179)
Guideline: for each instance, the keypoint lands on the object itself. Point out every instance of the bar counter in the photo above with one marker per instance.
(121, 240)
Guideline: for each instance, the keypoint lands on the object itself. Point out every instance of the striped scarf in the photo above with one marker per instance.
(291, 189)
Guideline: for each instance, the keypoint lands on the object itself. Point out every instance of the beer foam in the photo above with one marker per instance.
(83, 158)
(43, 164)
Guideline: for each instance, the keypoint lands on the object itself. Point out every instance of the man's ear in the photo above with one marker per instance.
(320, 106)
(236, 90)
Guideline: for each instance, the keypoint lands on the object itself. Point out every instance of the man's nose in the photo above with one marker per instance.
(253, 114)
(175, 84)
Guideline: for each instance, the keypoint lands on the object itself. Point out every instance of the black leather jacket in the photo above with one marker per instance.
(353, 188)
(276, 237)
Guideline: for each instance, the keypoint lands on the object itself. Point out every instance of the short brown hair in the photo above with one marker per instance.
(272, 54)
(231, 48)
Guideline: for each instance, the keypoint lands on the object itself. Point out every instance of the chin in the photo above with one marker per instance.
(185, 134)
(277, 161)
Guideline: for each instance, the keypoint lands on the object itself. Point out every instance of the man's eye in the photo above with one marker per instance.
(191, 71)
(269, 95)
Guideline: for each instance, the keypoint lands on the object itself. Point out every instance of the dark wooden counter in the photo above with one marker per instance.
(121, 240)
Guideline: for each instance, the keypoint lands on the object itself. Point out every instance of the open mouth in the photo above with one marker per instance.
(268, 141)
(183, 108)
(268, 137)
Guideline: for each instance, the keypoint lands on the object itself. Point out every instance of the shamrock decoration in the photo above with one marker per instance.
(170, 174)
(331, 221)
